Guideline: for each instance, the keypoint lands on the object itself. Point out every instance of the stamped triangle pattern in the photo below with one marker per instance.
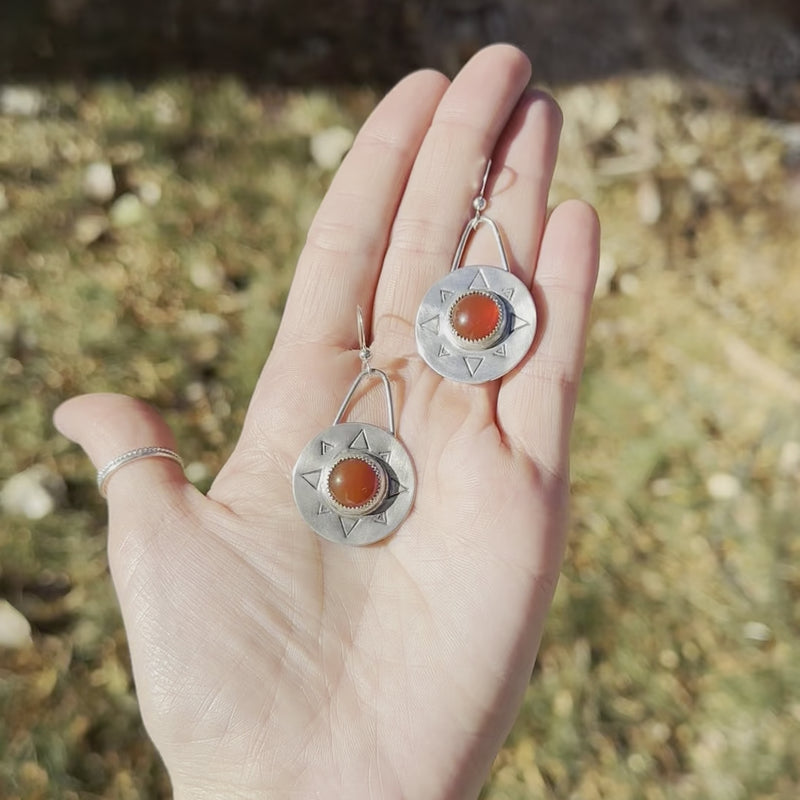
(360, 442)
(431, 324)
(312, 478)
(395, 488)
(517, 323)
(348, 524)
(479, 282)
(473, 363)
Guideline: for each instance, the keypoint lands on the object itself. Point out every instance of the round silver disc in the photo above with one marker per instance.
(440, 350)
(327, 447)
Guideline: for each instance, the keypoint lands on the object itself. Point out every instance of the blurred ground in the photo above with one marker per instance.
(148, 233)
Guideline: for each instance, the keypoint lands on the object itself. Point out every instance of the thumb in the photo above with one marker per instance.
(107, 426)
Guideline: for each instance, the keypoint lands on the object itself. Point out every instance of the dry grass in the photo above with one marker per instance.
(671, 665)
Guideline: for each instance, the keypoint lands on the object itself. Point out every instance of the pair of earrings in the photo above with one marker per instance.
(354, 483)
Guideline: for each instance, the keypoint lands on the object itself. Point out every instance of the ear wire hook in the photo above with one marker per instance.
(365, 354)
(479, 204)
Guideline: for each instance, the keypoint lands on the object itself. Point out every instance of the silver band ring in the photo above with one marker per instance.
(133, 455)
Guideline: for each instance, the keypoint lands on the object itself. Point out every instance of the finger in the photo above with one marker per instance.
(339, 265)
(536, 403)
(517, 190)
(108, 425)
(446, 176)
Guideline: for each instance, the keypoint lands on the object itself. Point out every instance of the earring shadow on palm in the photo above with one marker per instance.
(271, 662)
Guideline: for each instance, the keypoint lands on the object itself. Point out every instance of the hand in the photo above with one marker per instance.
(272, 663)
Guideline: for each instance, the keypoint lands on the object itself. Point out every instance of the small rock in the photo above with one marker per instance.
(757, 631)
(3, 199)
(98, 182)
(669, 659)
(723, 486)
(166, 111)
(15, 630)
(648, 201)
(329, 146)
(703, 181)
(207, 275)
(21, 101)
(198, 323)
(34, 493)
(629, 284)
(126, 211)
(90, 227)
(150, 193)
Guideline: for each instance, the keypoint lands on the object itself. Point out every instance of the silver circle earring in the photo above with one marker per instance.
(354, 483)
(478, 322)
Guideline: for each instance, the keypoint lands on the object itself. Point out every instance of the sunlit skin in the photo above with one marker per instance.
(271, 663)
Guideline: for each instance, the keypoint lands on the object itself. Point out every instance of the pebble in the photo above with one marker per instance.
(150, 193)
(207, 275)
(703, 181)
(21, 101)
(15, 630)
(757, 631)
(3, 199)
(629, 284)
(90, 227)
(648, 201)
(723, 486)
(329, 146)
(126, 211)
(98, 182)
(198, 323)
(33, 493)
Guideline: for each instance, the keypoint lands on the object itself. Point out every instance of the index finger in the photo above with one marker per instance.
(339, 266)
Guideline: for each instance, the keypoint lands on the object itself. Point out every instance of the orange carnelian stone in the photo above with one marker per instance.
(353, 483)
(475, 316)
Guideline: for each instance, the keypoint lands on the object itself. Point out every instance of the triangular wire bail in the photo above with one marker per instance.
(370, 372)
(366, 371)
(469, 228)
(479, 204)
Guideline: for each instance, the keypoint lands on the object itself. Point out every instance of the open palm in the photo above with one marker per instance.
(271, 662)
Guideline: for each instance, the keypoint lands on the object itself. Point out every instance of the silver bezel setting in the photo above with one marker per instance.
(442, 351)
(371, 504)
(345, 440)
(492, 338)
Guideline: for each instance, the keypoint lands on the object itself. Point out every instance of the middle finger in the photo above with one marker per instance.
(445, 177)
